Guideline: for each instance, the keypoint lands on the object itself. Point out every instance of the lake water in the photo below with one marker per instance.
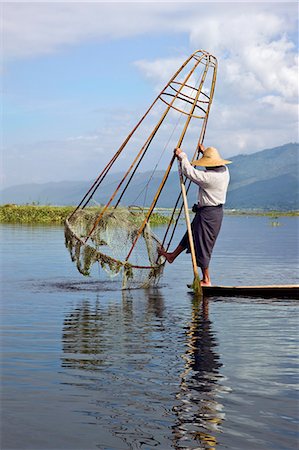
(87, 366)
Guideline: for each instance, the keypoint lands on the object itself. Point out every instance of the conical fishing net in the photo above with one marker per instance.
(120, 241)
(110, 243)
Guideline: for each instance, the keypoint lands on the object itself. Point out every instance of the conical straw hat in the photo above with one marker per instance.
(210, 158)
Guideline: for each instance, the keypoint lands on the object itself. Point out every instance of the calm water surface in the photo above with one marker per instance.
(87, 366)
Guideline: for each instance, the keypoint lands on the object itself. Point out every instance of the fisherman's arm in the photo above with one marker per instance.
(197, 176)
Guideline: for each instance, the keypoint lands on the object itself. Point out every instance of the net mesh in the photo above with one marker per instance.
(110, 243)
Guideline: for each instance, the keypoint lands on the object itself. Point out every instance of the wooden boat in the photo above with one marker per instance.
(268, 291)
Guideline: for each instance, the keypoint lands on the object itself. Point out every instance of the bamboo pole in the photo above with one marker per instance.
(196, 286)
(214, 64)
(151, 207)
(104, 172)
(179, 143)
(196, 282)
(144, 147)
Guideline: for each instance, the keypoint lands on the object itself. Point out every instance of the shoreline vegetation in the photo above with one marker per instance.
(56, 215)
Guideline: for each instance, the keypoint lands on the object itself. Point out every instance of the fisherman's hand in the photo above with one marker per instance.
(201, 148)
(177, 151)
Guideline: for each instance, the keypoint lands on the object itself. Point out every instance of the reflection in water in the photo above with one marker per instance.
(91, 331)
(199, 413)
(127, 356)
(122, 358)
(82, 337)
(112, 350)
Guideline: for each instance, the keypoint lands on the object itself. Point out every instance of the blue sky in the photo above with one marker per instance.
(78, 76)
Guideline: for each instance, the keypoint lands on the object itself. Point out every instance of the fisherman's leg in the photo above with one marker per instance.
(206, 280)
(211, 219)
(183, 245)
(171, 256)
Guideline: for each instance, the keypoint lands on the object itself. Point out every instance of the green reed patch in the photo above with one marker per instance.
(252, 212)
(38, 214)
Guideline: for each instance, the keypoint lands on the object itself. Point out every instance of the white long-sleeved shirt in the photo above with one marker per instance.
(212, 184)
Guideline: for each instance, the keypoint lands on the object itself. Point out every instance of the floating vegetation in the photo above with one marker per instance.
(275, 223)
(56, 215)
(253, 212)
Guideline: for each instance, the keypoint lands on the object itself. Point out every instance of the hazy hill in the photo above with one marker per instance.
(266, 180)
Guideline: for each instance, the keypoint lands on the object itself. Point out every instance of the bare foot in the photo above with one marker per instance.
(168, 256)
(205, 283)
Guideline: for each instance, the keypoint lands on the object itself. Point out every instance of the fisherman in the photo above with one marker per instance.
(213, 184)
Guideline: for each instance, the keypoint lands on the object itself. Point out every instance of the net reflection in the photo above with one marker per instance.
(82, 341)
(199, 415)
(112, 360)
(92, 333)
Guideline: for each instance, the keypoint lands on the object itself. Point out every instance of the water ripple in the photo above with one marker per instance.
(86, 366)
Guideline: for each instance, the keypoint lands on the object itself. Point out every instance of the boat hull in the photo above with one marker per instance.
(268, 291)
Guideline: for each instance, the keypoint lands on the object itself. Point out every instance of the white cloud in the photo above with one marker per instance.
(235, 28)
(32, 29)
(255, 104)
(254, 52)
(36, 28)
(159, 71)
(257, 85)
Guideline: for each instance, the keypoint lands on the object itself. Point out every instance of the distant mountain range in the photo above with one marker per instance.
(264, 180)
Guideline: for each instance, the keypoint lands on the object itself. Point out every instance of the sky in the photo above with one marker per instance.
(77, 77)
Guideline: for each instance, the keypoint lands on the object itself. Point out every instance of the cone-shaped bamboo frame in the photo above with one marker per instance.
(172, 92)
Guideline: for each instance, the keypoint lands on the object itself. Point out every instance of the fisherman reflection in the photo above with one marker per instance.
(198, 412)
